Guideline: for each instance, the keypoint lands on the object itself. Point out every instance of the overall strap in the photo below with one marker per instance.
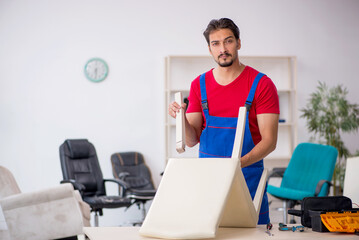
(202, 82)
(253, 91)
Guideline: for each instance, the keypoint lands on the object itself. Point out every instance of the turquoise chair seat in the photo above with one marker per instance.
(287, 193)
(309, 173)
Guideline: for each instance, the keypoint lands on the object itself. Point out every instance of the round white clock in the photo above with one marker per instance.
(96, 70)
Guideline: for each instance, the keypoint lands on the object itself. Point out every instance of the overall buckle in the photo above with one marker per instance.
(205, 105)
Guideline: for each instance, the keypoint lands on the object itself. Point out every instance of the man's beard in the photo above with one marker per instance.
(225, 64)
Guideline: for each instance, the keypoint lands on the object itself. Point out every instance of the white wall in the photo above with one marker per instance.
(45, 97)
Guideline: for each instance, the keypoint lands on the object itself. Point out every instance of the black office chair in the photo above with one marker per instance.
(80, 167)
(130, 167)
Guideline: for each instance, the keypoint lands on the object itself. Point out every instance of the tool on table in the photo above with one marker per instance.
(269, 227)
(284, 227)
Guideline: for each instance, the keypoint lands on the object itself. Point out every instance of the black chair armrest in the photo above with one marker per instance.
(143, 191)
(76, 185)
(139, 195)
(320, 185)
(121, 183)
(123, 175)
(276, 172)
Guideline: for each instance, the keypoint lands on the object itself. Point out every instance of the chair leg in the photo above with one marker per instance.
(285, 210)
(143, 211)
(141, 206)
(96, 219)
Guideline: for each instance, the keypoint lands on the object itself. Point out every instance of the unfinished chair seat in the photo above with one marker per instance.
(198, 195)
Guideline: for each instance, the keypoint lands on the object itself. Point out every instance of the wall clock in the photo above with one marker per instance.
(96, 70)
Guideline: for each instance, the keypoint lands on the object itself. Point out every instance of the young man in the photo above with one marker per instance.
(214, 101)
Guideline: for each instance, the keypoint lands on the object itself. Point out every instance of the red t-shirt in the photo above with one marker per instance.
(224, 101)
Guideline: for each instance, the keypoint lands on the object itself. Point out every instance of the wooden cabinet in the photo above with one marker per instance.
(182, 70)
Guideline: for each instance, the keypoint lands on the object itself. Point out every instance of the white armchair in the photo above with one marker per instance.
(351, 189)
(52, 213)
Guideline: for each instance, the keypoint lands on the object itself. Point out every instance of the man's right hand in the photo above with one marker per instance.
(193, 123)
(174, 108)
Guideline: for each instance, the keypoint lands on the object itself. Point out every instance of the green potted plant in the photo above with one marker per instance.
(329, 114)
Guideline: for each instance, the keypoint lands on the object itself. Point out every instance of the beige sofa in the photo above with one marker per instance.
(51, 213)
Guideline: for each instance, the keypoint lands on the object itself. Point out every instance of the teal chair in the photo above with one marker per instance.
(309, 173)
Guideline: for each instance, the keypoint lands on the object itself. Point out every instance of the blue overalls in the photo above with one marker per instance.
(217, 140)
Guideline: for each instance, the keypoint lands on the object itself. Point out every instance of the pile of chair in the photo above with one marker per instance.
(80, 166)
(61, 212)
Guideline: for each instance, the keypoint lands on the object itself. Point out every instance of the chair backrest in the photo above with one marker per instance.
(351, 189)
(309, 164)
(132, 163)
(79, 162)
(8, 184)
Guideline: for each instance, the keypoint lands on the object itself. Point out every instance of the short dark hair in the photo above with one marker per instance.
(222, 23)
